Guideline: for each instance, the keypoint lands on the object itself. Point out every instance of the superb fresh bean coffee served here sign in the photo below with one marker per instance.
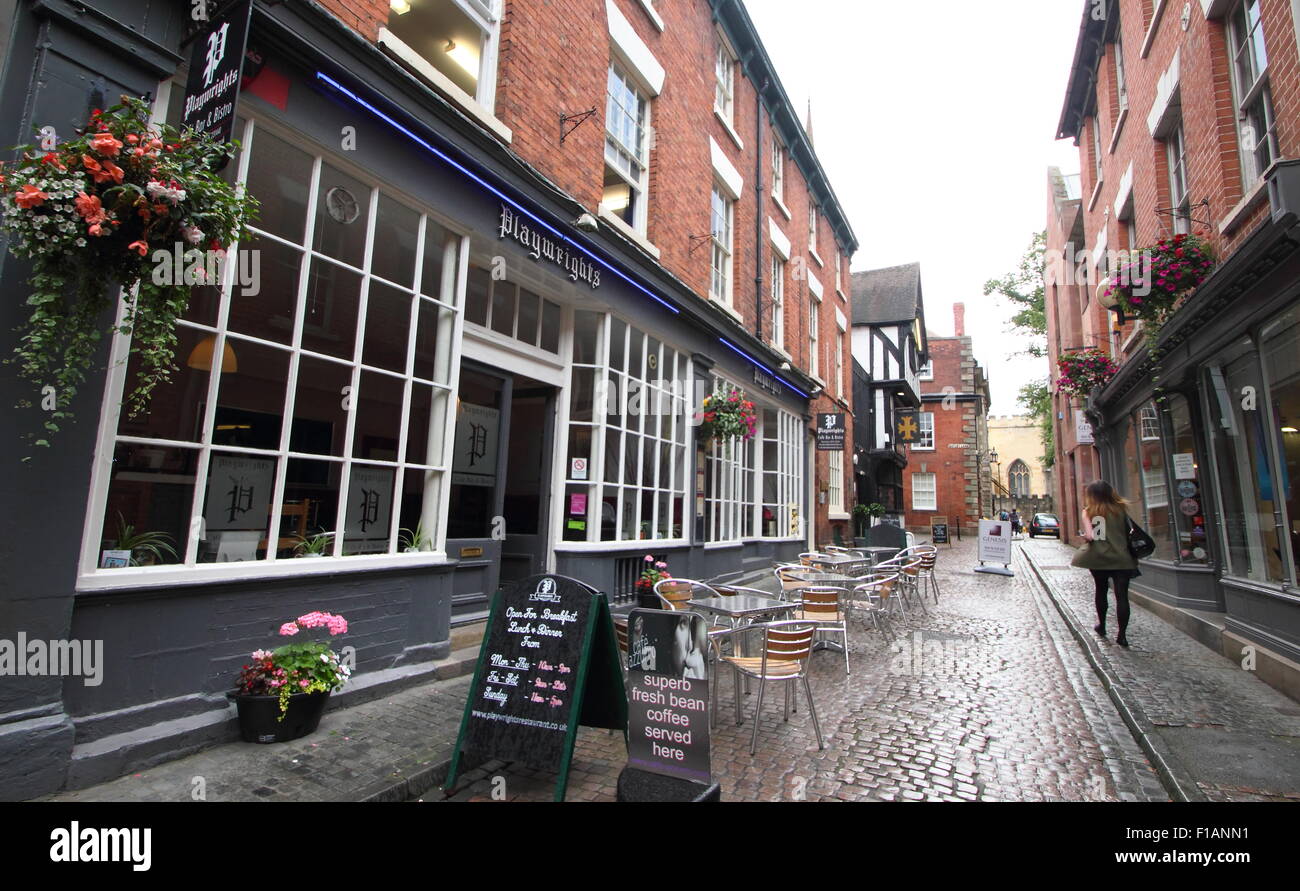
(668, 694)
(549, 662)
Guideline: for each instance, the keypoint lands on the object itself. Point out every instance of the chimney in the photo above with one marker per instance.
(959, 319)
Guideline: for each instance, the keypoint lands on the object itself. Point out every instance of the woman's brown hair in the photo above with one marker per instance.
(1100, 497)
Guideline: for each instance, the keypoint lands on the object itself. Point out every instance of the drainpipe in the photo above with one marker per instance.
(758, 210)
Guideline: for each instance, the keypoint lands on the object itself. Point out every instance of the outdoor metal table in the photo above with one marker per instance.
(741, 606)
(876, 552)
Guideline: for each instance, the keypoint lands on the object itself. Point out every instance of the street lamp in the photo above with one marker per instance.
(993, 460)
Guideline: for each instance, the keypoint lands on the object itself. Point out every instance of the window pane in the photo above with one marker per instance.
(267, 310)
(428, 407)
(204, 302)
(1281, 349)
(529, 309)
(250, 397)
(1246, 483)
(580, 398)
(578, 504)
(396, 229)
(333, 297)
(1193, 544)
(585, 326)
(319, 417)
(310, 507)
(503, 307)
(433, 347)
(1154, 487)
(379, 417)
(150, 495)
(388, 322)
(176, 409)
(419, 515)
(440, 247)
(237, 508)
(279, 176)
(369, 509)
(477, 289)
(550, 326)
(342, 214)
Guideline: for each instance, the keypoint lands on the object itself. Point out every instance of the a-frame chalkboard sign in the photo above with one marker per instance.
(548, 663)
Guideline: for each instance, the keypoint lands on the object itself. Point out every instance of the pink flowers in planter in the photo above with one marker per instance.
(336, 624)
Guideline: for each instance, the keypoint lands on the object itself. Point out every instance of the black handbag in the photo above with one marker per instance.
(1140, 544)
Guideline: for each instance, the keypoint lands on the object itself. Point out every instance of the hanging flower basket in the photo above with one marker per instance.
(1149, 286)
(1082, 371)
(726, 415)
(90, 212)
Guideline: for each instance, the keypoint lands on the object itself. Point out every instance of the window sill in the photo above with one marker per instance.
(1151, 29)
(153, 577)
(653, 14)
(812, 251)
(838, 515)
(843, 296)
(780, 349)
(722, 545)
(638, 545)
(1245, 206)
(731, 131)
(780, 205)
(412, 60)
(916, 448)
(727, 308)
(618, 223)
(1119, 128)
(1128, 341)
(1096, 193)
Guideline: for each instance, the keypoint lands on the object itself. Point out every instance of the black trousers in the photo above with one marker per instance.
(1101, 579)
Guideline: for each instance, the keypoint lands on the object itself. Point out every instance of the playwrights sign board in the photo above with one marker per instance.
(548, 663)
(216, 67)
(668, 694)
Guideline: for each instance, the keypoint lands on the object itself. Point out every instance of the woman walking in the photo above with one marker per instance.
(1106, 554)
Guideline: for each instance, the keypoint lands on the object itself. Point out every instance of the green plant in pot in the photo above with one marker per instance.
(147, 548)
(317, 545)
(282, 693)
(863, 514)
(414, 540)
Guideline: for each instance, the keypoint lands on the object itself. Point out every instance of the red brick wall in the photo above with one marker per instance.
(952, 460)
(1213, 172)
(365, 17)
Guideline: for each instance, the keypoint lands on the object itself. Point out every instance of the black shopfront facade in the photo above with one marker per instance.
(422, 359)
(1212, 461)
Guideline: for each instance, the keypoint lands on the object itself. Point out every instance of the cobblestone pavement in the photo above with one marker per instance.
(1235, 737)
(988, 697)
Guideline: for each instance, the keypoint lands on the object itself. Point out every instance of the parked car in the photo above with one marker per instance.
(1045, 524)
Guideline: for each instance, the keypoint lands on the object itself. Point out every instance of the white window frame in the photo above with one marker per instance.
(1249, 49)
(1179, 193)
(91, 577)
(926, 371)
(721, 241)
(925, 497)
(1121, 80)
(777, 290)
(724, 82)
(840, 324)
(482, 13)
(778, 169)
(787, 440)
(925, 434)
(663, 420)
(733, 467)
(814, 338)
(637, 156)
(812, 226)
(835, 482)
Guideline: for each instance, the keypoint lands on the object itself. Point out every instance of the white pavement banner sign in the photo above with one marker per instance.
(995, 542)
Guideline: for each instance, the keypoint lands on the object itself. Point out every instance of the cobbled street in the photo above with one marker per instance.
(987, 697)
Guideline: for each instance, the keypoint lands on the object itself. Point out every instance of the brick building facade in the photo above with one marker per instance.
(1187, 119)
(947, 472)
(503, 243)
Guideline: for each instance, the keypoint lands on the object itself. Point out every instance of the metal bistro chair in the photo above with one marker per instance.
(873, 598)
(927, 578)
(787, 646)
(908, 571)
(824, 604)
(676, 594)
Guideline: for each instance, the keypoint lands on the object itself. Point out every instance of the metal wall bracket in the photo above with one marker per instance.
(571, 122)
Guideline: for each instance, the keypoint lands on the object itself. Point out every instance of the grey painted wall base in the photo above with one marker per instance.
(1184, 587)
(34, 756)
(107, 757)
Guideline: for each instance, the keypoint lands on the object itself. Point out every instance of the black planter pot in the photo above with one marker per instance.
(258, 716)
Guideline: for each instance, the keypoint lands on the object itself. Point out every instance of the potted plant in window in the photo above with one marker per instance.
(317, 545)
(104, 211)
(282, 693)
(414, 540)
(147, 548)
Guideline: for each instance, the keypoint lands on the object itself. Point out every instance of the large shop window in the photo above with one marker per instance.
(1153, 485)
(312, 394)
(1188, 482)
(1241, 431)
(772, 461)
(627, 434)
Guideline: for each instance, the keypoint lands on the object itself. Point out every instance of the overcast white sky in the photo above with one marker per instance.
(935, 124)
